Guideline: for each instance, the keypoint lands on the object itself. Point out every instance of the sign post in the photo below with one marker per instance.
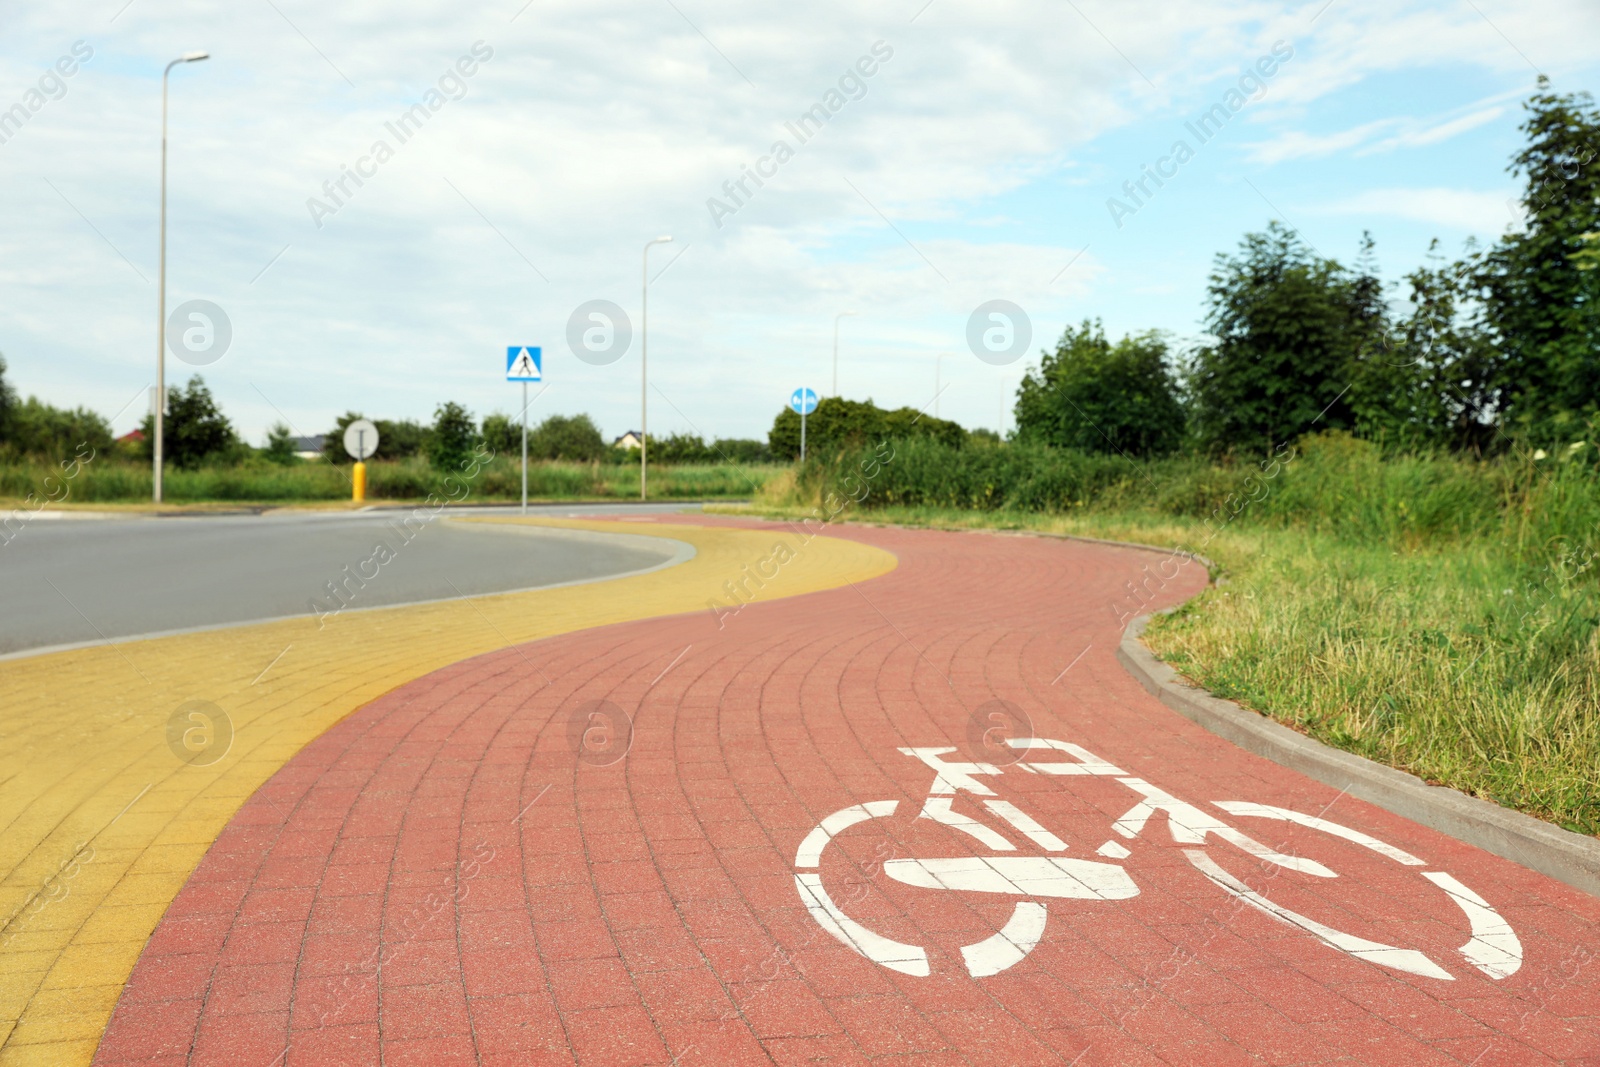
(361, 441)
(524, 364)
(804, 401)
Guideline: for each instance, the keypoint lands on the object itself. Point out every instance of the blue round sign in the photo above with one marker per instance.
(804, 401)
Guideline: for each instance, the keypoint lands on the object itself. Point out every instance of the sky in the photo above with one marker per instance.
(972, 152)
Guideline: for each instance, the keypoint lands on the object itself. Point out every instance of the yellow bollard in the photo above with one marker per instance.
(358, 483)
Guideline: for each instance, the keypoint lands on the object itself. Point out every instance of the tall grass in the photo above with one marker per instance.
(1331, 484)
(1436, 613)
(116, 480)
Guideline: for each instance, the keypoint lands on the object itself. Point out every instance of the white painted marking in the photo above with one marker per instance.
(1267, 811)
(1113, 850)
(1494, 948)
(1189, 826)
(1025, 876)
(938, 809)
(810, 853)
(907, 959)
(1088, 762)
(951, 777)
(1026, 824)
(1007, 947)
(1399, 959)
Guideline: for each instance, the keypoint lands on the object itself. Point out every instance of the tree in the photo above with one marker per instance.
(397, 438)
(280, 445)
(1434, 379)
(838, 423)
(193, 427)
(39, 429)
(1539, 305)
(1098, 397)
(741, 450)
(681, 448)
(573, 437)
(8, 402)
(502, 435)
(453, 438)
(1291, 332)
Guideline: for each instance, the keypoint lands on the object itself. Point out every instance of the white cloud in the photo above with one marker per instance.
(1486, 214)
(596, 126)
(1369, 138)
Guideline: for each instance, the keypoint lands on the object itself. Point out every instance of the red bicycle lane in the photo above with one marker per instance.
(928, 817)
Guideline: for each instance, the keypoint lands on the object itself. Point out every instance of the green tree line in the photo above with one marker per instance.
(196, 432)
(1501, 345)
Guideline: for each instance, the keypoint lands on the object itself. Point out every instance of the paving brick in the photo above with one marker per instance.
(529, 907)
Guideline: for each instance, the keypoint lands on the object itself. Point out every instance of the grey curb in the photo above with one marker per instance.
(1561, 854)
(1543, 847)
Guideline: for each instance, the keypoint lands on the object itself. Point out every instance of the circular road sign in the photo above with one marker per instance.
(361, 439)
(804, 401)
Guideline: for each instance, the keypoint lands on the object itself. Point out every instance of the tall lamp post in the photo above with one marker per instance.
(644, 360)
(836, 319)
(161, 299)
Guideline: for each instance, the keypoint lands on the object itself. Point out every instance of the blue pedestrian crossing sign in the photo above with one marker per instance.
(524, 363)
(804, 401)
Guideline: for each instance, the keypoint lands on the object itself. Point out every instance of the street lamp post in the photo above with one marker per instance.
(161, 299)
(836, 319)
(644, 360)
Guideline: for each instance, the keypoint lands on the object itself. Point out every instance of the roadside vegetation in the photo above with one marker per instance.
(1403, 492)
(414, 478)
(52, 456)
(1435, 613)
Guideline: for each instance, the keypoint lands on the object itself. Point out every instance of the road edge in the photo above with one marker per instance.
(1541, 846)
(1568, 857)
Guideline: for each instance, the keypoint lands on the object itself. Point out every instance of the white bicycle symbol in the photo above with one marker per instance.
(1493, 948)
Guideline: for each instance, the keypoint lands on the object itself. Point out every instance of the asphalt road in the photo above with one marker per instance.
(69, 581)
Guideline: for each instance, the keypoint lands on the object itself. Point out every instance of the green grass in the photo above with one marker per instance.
(116, 480)
(1438, 615)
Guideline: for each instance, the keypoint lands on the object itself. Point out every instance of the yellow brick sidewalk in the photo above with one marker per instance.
(101, 824)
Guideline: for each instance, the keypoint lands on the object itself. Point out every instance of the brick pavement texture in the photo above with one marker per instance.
(101, 821)
(588, 850)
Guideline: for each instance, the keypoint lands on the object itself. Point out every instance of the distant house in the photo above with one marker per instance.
(132, 437)
(308, 447)
(630, 439)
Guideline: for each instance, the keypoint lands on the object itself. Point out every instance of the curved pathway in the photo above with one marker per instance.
(121, 763)
(925, 818)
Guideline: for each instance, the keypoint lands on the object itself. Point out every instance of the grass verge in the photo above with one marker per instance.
(1463, 663)
(114, 480)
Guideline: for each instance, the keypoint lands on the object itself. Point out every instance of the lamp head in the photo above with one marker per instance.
(666, 239)
(195, 57)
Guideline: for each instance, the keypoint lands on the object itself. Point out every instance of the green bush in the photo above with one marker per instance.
(1098, 397)
(193, 429)
(569, 437)
(680, 448)
(740, 450)
(1293, 330)
(838, 423)
(454, 434)
(35, 428)
(280, 446)
(397, 438)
